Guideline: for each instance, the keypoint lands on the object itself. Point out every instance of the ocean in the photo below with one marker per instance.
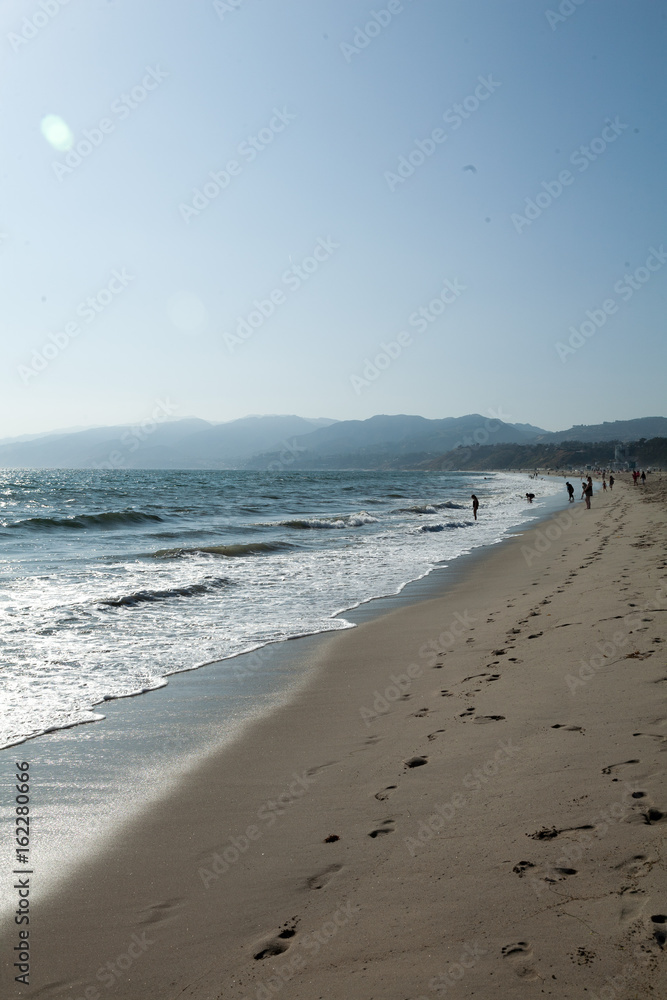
(110, 581)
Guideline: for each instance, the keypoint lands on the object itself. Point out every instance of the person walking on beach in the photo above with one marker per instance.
(611, 483)
(643, 478)
(475, 505)
(588, 492)
(570, 491)
(604, 483)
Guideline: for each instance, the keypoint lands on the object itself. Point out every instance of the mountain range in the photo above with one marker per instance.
(292, 442)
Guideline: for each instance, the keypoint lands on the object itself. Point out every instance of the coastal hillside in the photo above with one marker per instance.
(568, 455)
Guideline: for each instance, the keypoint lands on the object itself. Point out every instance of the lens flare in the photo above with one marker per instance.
(57, 132)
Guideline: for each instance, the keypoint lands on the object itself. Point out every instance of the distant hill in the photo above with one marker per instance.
(392, 442)
(174, 444)
(290, 442)
(568, 455)
(617, 430)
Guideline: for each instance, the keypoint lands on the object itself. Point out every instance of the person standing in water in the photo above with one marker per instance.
(570, 491)
(475, 505)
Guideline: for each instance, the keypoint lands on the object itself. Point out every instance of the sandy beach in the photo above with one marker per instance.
(467, 798)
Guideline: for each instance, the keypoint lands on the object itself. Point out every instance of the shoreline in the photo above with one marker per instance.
(361, 779)
(366, 608)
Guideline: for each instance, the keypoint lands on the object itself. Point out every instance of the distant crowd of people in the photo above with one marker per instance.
(586, 488)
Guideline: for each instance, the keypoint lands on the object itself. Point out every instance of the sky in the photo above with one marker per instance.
(331, 208)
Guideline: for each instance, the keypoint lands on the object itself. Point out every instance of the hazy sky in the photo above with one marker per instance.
(372, 161)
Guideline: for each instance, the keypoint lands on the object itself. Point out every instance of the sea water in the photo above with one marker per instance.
(110, 581)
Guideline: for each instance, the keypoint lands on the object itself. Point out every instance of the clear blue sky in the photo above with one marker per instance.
(332, 123)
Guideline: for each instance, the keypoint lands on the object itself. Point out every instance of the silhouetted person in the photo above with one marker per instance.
(475, 505)
(530, 497)
(643, 478)
(611, 482)
(570, 491)
(588, 492)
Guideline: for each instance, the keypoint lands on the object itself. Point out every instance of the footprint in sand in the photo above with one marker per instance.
(549, 832)
(552, 875)
(386, 826)
(652, 816)
(416, 761)
(160, 912)
(322, 878)
(520, 955)
(277, 944)
(421, 713)
(480, 720)
(522, 867)
(569, 729)
(659, 931)
(386, 792)
(434, 736)
(614, 767)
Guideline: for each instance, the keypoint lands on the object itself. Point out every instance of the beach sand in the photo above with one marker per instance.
(467, 799)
